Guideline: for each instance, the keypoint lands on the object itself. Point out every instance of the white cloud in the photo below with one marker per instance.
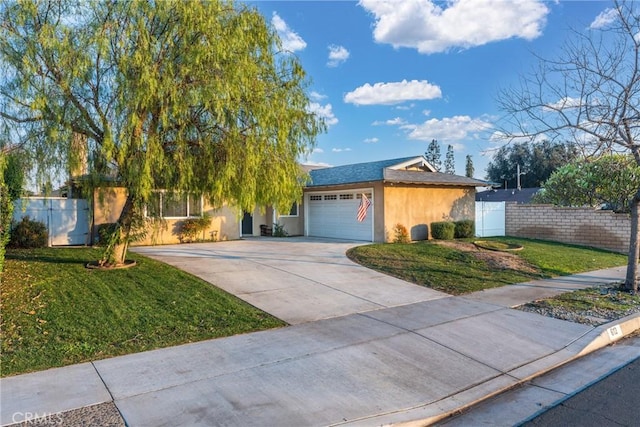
(318, 150)
(433, 26)
(391, 122)
(291, 41)
(405, 107)
(563, 104)
(340, 150)
(337, 55)
(315, 96)
(457, 128)
(605, 18)
(393, 93)
(323, 111)
(312, 163)
(371, 140)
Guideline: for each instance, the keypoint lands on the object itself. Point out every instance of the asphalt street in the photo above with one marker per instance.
(598, 390)
(613, 401)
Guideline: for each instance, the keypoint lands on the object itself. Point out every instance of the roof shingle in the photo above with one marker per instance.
(381, 171)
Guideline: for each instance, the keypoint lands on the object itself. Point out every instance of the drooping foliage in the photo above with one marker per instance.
(12, 180)
(184, 96)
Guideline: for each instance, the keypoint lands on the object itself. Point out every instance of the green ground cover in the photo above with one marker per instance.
(457, 272)
(56, 312)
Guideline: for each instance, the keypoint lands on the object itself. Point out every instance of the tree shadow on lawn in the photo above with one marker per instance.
(35, 255)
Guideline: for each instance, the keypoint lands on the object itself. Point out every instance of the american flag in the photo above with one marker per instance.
(362, 209)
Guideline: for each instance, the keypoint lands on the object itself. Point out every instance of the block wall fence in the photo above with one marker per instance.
(579, 226)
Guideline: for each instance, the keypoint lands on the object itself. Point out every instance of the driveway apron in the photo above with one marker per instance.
(295, 279)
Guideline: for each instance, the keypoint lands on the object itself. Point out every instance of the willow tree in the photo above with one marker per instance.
(194, 96)
(591, 94)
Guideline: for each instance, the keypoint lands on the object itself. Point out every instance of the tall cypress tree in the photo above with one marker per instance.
(433, 154)
(469, 169)
(450, 161)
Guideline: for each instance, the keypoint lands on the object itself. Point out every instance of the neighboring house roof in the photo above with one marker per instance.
(523, 195)
(433, 178)
(406, 170)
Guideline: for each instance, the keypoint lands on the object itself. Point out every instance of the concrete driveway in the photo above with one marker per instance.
(296, 279)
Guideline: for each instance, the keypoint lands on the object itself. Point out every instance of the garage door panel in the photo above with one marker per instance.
(337, 218)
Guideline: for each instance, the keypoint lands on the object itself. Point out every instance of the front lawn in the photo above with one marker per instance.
(456, 271)
(55, 312)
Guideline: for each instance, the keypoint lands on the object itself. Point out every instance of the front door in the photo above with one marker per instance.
(247, 224)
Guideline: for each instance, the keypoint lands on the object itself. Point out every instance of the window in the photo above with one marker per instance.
(331, 197)
(174, 205)
(294, 210)
(195, 205)
(346, 196)
(316, 197)
(171, 205)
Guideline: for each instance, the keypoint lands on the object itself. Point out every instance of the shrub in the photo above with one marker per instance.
(191, 227)
(464, 229)
(29, 233)
(443, 230)
(189, 230)
(400, 234)
(279, 231)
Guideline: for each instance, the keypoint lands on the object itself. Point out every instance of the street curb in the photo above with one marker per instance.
(610, 333)
(599, 337)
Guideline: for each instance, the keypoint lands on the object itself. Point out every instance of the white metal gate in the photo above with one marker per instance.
(67, 220)
(490, 219)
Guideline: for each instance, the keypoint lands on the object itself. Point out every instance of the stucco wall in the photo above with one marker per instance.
(293, 225)
(108, 202)
(579, 226)
(417, 207)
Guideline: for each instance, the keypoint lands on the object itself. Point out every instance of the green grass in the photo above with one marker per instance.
(55, 312)
(558, 259)
(457, 272)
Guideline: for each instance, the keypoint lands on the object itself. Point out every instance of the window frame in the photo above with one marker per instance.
(289, 215)
(185, 197)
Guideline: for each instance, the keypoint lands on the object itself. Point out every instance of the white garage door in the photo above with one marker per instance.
(334, 215)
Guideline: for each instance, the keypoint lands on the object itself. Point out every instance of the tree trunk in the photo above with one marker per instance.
(631, 280)
(116, 251)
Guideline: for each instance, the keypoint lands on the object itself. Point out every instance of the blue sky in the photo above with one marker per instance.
(390, 76)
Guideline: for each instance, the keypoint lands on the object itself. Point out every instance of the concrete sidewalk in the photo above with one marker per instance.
(415, 361)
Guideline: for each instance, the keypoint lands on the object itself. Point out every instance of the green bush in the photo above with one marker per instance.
(400, 234)
(279, 231)
(191, 227)
(29, 233)
(189, 230)
(464, 229)
(443, 230)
